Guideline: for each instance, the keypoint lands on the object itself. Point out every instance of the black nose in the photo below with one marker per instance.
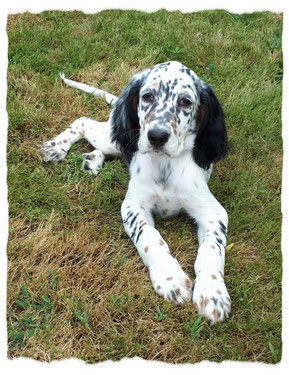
(158, 137)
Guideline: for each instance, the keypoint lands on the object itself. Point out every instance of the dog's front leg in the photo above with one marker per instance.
(167, 276)
(210, 295)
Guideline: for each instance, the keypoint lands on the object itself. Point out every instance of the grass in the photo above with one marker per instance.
(76, 287)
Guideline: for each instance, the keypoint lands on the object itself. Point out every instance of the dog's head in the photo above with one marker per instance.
(168, 109)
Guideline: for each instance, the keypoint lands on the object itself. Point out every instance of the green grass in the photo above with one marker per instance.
(31, 316)
(76, 287)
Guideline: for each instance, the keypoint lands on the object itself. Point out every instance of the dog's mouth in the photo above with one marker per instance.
(157, 151)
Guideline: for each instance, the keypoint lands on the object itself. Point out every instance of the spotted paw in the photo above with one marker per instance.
(53, 151)
(93, 162)
(211, 298)
(170, 281)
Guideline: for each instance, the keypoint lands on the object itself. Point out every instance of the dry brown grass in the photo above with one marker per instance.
(90, 268)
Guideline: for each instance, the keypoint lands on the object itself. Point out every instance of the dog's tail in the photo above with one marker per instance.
(110, 99)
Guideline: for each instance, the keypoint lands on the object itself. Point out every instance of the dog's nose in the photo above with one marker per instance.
(158, 137)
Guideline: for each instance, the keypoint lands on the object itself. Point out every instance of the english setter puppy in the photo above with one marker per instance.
(169, 126)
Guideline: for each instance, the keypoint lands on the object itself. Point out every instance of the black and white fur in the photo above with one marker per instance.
(170, 128)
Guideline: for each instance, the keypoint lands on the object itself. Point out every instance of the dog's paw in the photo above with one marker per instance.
(211, 298)
(170, 281)
(93, 162)
(53, 151)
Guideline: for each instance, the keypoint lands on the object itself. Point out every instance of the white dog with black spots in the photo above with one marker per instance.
(169, 127)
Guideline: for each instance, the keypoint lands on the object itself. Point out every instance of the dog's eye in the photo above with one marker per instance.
(148, 97)
(184, 102)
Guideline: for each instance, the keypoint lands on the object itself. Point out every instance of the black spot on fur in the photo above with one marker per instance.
(134, 231)
(174, 296)
(129, 214)
(133, 219)
(86, 167)
(223, 228)
(139, 234)
(220, 241)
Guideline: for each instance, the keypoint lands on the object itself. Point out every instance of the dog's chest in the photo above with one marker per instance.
(159, 184)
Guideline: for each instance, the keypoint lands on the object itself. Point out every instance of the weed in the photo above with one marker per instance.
(275, 43)
(81, 316)
(33, 315)
(195, 328)
(54, 278)
(274, 354)
(159, 315)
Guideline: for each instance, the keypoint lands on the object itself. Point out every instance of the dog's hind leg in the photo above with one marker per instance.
(96, 133)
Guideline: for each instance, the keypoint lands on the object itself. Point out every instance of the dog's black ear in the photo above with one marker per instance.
(211, 143)
(124, 120)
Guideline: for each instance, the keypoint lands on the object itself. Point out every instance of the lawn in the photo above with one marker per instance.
(76, 286)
